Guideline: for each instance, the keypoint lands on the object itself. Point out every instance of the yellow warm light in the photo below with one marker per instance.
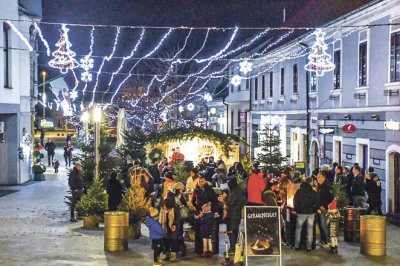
(97, 114)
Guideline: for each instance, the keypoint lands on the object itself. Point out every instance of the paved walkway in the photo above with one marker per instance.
(35, 230)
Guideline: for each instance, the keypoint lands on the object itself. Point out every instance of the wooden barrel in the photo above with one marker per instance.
(352, 224)
(373, 235)
(116, 231)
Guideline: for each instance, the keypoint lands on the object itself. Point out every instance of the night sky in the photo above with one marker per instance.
(168, 13)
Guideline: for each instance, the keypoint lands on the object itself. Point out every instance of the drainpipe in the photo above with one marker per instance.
(307, 117)
(227, 111)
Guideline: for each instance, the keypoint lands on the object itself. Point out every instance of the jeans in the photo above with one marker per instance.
(76, 195)
(359, 201)
(67, 161)
(322, 226)
(50, 157)
(301, 219)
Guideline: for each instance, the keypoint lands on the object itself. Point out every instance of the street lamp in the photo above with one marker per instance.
(97, 119)
(85, 119)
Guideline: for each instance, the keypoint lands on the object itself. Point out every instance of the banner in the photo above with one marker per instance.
(262, 225)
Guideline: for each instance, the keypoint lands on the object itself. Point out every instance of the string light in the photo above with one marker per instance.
(107, 58)
(20, 35)
(46, 44)
(207, 97)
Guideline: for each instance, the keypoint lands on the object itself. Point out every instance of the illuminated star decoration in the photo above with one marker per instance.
(190, 106)
(245, 67)
(181, 108)
(73, 95)
(236, 80)
(207, 97)
(86, 64)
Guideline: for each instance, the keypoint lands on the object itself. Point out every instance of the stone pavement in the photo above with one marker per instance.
(35, 230)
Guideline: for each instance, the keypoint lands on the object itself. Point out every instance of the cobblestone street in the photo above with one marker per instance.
(36, 231)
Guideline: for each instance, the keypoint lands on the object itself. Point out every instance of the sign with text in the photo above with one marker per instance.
(262, 225)
(326, 130)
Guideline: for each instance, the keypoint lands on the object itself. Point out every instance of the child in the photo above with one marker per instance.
(157, 233)
(207, 222)
(333, 217)
(56, 164)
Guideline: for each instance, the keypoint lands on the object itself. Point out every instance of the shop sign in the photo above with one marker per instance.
(392, 125)
(46, 124)
(349, 128)
(326, 130)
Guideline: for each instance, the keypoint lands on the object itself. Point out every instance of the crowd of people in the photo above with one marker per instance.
(211, 195)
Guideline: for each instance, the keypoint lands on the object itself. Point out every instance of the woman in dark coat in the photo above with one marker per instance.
(114, 191)
(170, 219)
(235, 202)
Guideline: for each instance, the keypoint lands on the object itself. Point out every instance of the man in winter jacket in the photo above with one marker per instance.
(306, 202)
(358, 188)
(75, 183)
(373, 188)
(50, 147)
(325, 196)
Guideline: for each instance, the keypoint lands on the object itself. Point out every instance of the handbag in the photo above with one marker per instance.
(239, 249)
(184, 211)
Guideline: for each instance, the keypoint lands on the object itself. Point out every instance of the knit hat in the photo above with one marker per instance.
(153, 212)
(332, 205)
(179, 186)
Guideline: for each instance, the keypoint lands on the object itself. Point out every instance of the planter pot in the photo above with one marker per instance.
(134, 231)
(91, 222)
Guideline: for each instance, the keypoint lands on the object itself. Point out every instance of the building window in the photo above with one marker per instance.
(282, 81)
(313, 81)
(248, 82)
(336, 72)
(238, 128)
(362, 64)
(256, 89)
(6, 55)
(395, 57)
(295, 80)
(271, 84)
(263, 87)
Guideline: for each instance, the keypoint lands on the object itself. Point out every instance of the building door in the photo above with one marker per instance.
(365, 156)
(396, 176)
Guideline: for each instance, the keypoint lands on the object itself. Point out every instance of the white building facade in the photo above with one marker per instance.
(16, 90)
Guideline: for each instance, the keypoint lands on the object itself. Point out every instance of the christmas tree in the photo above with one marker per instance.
(270, 156)
(319, 59)
(94, 202)
(64, 56)
(134, 146)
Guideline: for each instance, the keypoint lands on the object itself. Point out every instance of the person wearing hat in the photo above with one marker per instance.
(156, 234)
(332, 220)
(169, 184)
(207, 221)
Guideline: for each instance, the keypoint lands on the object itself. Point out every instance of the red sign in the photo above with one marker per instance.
(349, 128)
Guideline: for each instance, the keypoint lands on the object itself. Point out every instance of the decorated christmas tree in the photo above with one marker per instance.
(64, 56)
(319, 59)
(271, 156)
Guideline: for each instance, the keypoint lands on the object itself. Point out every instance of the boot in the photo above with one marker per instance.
(172, 257)
(332, 250)
(336, 250)
(166, 256)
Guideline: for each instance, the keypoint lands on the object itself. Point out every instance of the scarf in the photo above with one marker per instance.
(163, 218)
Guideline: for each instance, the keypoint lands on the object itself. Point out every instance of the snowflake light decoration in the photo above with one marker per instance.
(245, 67)
(190, 106)
(236, 80)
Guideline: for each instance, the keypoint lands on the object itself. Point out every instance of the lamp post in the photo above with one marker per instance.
(97, 120)
(85, 119)
(44, 93)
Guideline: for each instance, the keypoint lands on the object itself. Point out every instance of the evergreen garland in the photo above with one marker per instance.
(270, 156)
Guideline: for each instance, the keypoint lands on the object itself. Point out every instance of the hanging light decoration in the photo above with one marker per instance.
(245, 67)
(207, 97)
(236, 80)
(181, 108)
(190, 107)
(319, 61)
